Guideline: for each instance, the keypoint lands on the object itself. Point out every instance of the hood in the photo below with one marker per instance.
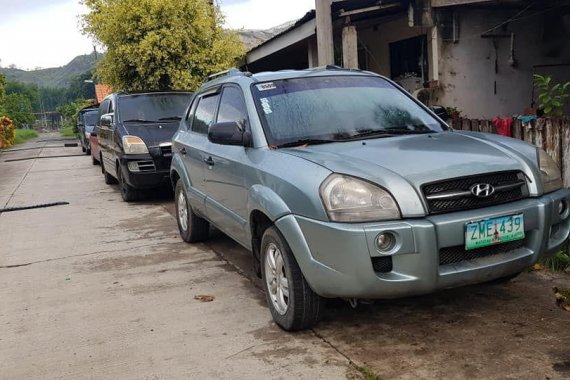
(395, 163)
(153, 134)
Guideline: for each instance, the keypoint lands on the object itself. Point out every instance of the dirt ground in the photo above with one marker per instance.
(104, 289)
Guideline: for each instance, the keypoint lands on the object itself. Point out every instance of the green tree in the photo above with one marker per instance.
(160, 44)
(18, 108)
(30, 91)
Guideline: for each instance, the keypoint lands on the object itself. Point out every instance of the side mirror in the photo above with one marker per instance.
(230, 133)
(93, 134)
(441, 112)
(107, 120)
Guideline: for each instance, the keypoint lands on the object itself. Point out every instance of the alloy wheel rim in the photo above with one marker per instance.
(182, 211)
(276, 279)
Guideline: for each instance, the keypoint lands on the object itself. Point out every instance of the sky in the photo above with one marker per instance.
(46, 33)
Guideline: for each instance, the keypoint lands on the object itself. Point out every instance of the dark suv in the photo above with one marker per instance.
(134, 132)
(86, 119)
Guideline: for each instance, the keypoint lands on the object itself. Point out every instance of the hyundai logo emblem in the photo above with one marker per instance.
(482, 190)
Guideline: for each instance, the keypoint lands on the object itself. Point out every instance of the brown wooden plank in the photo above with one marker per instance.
(565, 153)
(465, 124)
(539, 133)
(528, 131)
(517, 130)
(475, 125)
(552, 141)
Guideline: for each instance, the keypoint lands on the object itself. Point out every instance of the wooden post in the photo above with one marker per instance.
(349, 47)
(565, 153)
(465, 125)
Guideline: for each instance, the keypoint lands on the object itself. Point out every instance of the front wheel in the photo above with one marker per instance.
(129, 193)
(292, 302)
(192, 228)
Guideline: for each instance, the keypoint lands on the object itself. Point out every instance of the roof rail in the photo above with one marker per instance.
(229, 72)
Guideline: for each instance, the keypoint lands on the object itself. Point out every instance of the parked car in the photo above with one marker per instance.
(343, 185)
(86, 120)
(95, 151)
(134, 133)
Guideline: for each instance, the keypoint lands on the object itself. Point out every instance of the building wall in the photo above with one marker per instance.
(467, 68)
(376, 40)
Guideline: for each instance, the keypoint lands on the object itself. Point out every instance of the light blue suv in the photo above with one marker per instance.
(343, 185)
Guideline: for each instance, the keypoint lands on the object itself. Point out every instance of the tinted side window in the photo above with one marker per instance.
(103, 108)
(204, 115)
(232, 106)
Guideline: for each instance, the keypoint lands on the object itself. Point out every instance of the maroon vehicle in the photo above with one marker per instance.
(95, 150)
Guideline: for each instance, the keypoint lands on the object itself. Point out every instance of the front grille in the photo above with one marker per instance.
(146, 166)
(464, 200)
(382, 264)
(166, 150)
(457, 254)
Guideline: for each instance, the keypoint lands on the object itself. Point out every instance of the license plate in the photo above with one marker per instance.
(494, 231)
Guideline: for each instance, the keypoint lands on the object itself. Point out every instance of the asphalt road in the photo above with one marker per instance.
(100, 288)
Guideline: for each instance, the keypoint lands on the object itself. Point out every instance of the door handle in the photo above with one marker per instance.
(182, 151)
(209, 161)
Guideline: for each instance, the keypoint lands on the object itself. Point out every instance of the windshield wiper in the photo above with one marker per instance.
(139, 121)
(382, 133)
(370, 134)
(170, 118)
(306, 142)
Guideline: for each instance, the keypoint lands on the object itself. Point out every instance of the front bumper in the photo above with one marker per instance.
(337, 258)
(145, 171)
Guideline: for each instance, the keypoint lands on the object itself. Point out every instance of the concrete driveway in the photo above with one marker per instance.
(104, 289)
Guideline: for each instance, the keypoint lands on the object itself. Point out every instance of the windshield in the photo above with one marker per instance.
(152, 107)
(90, 118)
(326, 109)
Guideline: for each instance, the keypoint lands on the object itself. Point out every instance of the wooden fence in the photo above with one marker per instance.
(553, 135)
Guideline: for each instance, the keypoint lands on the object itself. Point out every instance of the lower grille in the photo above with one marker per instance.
(146, 166)
(382, 264)
(457, 254)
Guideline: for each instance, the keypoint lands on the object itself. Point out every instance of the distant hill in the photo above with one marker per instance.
(56, 77)
(254, 37)
(60, 77)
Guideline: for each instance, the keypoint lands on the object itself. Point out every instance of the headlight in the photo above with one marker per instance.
(349, 199)
(551, 178)
(134, 145)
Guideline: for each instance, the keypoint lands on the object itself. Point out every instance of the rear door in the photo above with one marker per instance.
(191, 142)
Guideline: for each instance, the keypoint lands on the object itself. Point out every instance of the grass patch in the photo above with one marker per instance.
(23, 135)
(367, 373)
(67, 131)
(558, 262)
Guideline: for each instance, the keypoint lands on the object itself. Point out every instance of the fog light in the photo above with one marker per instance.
(385, 241)
(133, 166)
(562, 207)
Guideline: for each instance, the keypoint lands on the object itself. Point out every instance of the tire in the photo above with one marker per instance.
(192, 228)
(129, 193)
(94, 161)
(83, 148)
(293, 304)
(109, 179)
(88, 151)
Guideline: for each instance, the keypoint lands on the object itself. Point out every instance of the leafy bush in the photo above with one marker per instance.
(551, 97)
(7, 132)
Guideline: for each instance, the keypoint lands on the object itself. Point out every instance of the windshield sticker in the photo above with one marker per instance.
(266, 86)
(266, 106)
